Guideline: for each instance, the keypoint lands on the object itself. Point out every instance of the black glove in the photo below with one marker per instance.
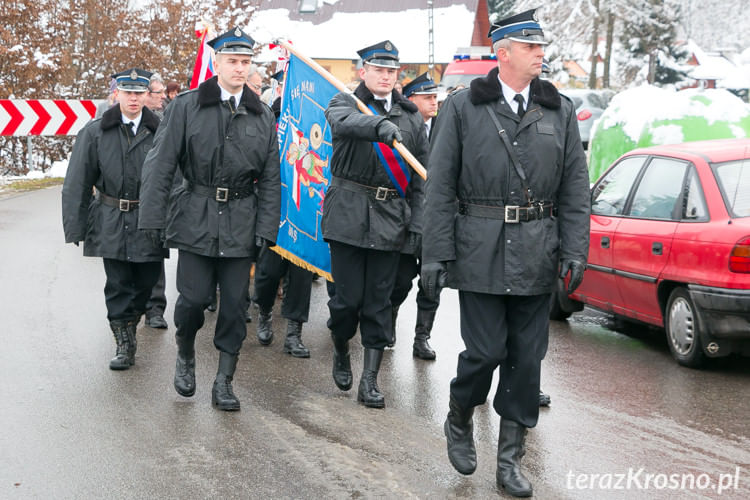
(387, 132)
(433, 275)
(576, 269)
(262, 243)
(415, 243)
(155, 236)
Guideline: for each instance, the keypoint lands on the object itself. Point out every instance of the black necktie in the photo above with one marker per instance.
(384, 102)
(231, 104)
(131, 127)
(519, 99)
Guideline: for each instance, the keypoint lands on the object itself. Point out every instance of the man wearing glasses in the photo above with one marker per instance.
(157, 302)
(156, 95)
(255, 80)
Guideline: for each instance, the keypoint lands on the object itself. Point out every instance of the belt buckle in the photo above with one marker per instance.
(124, 205)
(222, 194)
(510, 219)
(381, 194)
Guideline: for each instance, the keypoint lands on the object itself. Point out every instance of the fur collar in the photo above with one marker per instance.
(113, 118)
(487, 89)
(209, 94)
(364, 95)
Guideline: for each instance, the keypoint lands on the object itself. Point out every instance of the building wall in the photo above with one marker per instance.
(346, 70)
(343, 69)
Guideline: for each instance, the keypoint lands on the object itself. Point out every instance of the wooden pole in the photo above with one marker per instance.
(410, 159)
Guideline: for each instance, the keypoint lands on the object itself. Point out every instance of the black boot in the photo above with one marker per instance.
(394, 316)
(293, 343)
(368, 393)
(422, 349)
(510, 450)
(265, 330)
(459, 434)
(130, 327)
(222, 395)
(122, 359)
(342, 366)
(184, 371)
(544, 399)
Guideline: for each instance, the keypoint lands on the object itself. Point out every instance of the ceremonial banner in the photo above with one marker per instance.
(305, 148)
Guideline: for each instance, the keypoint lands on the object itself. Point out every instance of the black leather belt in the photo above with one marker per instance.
(511, 214)
(379, 193)
(220, 194)
(123, 205)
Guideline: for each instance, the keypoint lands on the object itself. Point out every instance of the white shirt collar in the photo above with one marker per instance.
(136, 121)
(226, 95)
(386, 101)
(509, 94)
(428, 126)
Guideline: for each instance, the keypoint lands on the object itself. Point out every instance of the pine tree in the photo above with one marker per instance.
(649, 31)
(499, 9)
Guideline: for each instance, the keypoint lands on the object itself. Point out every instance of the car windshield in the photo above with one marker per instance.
(734, 180)
(449, 81)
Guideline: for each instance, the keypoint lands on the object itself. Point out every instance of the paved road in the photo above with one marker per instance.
(71, 428)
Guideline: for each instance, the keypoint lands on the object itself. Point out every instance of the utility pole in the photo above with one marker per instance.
(430, 38)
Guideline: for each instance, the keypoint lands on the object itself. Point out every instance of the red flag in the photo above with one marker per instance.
(204, 66)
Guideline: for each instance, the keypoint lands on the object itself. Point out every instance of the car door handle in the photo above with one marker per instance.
(605, 241)
(656, 248)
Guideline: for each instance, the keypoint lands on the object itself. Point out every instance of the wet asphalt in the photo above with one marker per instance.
(72, 428)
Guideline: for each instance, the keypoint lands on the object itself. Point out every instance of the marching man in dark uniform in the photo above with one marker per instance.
(422, 91)
(367, 217)
(295, 306)
(108, 155)
(223, 140)
(508, 151)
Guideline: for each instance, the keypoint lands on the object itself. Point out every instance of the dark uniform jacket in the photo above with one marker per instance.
(357, 218)
(108, 157)
(469, 163)
(214, 147)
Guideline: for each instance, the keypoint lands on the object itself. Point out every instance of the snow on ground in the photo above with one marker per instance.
(58, 169)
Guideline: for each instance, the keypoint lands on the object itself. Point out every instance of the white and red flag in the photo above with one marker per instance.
(204, 65)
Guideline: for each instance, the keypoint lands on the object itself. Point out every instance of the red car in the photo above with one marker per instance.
(670, 246)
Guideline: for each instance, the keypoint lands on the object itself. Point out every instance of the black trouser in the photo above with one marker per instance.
(408, 268)
(128, 286)
(297, 285)
(506, 330)
(197, 276)
(157, 302)
(364, 281)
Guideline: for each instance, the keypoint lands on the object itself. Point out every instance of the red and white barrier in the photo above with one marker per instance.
(21, 117)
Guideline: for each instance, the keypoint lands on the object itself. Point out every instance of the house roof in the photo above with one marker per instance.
(337, 29)
(716, 67)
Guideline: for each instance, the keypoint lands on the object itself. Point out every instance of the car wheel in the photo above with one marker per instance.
(556, 311)
(561, 307)
(683, 329)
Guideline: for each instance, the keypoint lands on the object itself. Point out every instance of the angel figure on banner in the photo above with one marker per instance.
(308, 165)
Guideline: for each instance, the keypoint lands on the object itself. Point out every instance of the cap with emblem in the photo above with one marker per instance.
(423, 84)
(523, 27)
(234, 41)
(383, 54)
(278, 76)
(133, 80)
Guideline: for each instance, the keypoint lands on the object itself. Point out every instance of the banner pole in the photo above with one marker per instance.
(413, 162)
